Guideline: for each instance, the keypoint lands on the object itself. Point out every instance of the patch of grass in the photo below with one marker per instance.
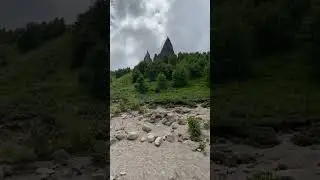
(194, 128)
(122, 89)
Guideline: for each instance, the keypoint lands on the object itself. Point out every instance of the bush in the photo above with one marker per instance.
(194, 128)
(140, 85)
(135, 75)
(162, 82)
(180, 77)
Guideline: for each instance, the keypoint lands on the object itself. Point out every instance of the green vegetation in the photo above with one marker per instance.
(52, 97)
(264, 71)
(169, 81)
(194, 128)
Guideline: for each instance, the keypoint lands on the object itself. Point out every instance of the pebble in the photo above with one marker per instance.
(122, 173)
(150, 138)
(143, 139)
(158, 141)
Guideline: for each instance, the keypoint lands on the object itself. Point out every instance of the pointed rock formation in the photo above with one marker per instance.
(147, 57)
(167, 49)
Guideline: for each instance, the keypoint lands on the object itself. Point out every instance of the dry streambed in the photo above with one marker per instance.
(157, 145)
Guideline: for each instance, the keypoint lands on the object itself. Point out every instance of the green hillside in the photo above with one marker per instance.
(44, 103)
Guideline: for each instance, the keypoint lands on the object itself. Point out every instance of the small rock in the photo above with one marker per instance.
(143, 139)
(182, 122)
(193, 145)
(99, 175)
(121, 135)
(171, 178)
(158, 141)
(76, 171)
(113, 140)
(150, 138)
(199, 150)
(132, 135)
(174, 126)
(280, 167)
(61, 156)
(170, 137)
(45, 171)
(122, 173)
(146, 128)
(164, 121)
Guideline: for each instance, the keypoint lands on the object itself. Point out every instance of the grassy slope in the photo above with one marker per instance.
(41, 82)
(122, 88)
(280, 91)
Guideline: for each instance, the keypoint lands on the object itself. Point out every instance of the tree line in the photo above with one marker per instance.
(244, 30)
(174, 71)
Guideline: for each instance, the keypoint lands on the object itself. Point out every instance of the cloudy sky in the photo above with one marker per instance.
(141, 25)
(16, 13)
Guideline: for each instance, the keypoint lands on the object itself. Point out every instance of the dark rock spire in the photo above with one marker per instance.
(166, 50)
(147, 57)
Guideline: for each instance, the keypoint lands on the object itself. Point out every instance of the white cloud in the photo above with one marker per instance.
(140, 25)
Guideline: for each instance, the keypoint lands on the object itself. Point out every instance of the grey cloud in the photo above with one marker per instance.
(187, 24)
(16, 13)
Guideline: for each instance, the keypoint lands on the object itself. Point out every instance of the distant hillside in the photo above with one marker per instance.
(172, 79)
(45, 101)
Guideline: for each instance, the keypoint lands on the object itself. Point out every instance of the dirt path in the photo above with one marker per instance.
(136, 160)
(286, 159)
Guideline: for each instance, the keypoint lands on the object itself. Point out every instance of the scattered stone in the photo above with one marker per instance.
(182, 121)
(180, 138)
(164, 121)
(280, 167)
(150, 138)
(120, 135)
(199, 150)
(61, 156)
(174, 126)
(122, 173)
(146, 128)
(143, 139)
(193, 145)
(171, 178)
(113, 140)
(170, 137)
(158, 141)
(132, 135)
(47, 171)
(99, 175)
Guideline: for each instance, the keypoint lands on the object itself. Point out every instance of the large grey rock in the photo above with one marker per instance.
(133, 135)
(61, 156)
(146, 128)
(121, 135)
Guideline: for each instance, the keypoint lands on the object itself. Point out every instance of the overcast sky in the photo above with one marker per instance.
(16, 13)
(141, 25)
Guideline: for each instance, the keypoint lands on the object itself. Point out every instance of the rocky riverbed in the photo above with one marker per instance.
(157, 145)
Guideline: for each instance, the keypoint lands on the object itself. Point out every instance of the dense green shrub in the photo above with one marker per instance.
(135, 75)
(162, 82)
(141, 85)
(180, 77)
